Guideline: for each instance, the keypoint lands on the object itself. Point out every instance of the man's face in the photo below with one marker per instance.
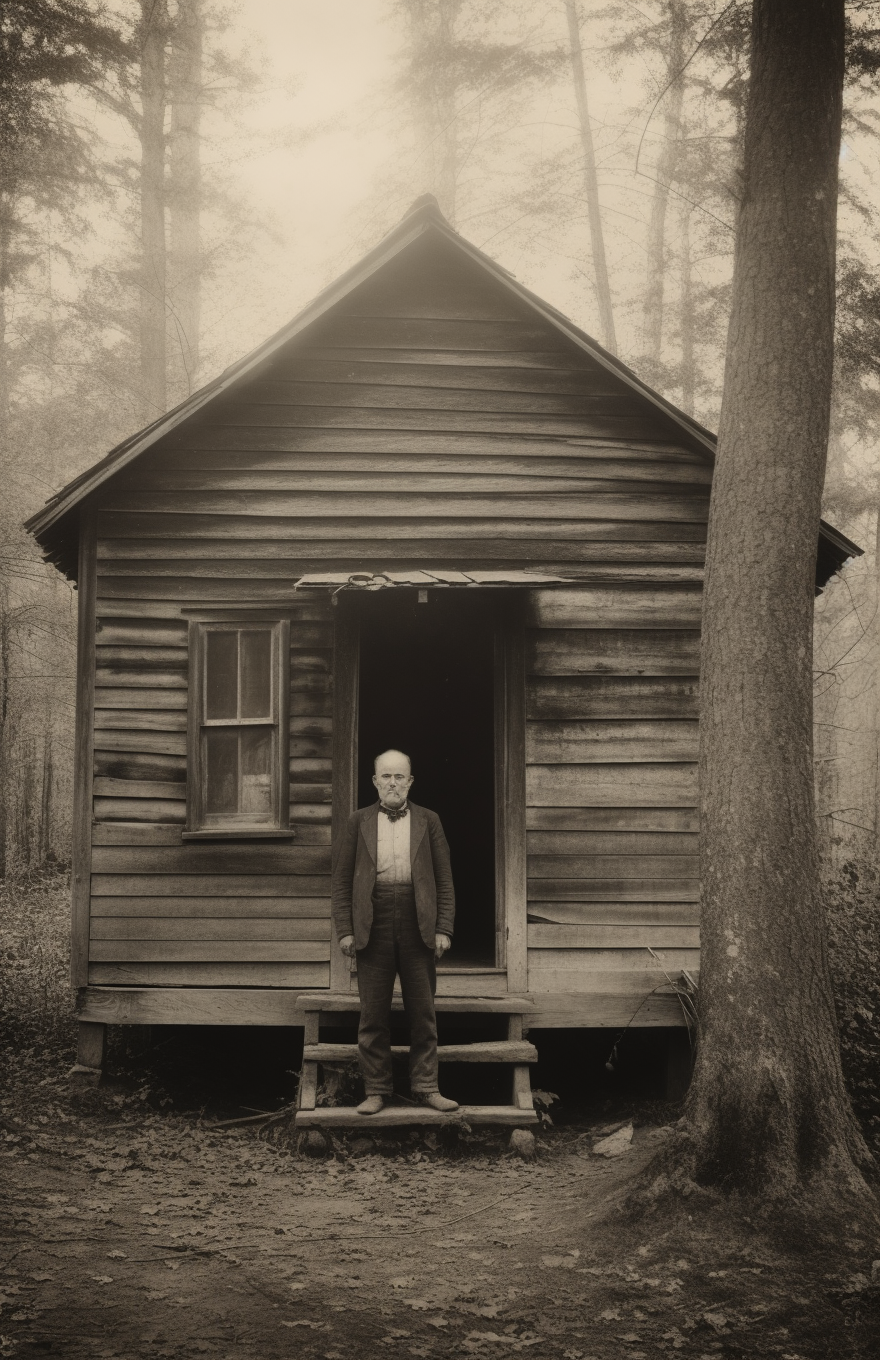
(392, 779)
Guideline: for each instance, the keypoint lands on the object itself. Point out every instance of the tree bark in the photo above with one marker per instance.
(153, 36)
(185, 193)
(665, 174)
(591, 183)
(768, 1113)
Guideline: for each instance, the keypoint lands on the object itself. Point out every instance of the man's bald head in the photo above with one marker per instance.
(393, 762)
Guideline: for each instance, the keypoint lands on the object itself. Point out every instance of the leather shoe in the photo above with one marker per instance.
(372, 1105)
(435, 1101)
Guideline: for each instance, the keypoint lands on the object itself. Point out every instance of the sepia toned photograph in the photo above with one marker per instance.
(440, 679)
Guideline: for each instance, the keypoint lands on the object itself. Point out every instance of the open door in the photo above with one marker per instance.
(436, 677)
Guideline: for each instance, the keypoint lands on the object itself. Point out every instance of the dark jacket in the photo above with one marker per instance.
(354, 875)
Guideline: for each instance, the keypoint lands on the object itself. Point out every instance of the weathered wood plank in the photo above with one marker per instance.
(310, 813)
(213, 908)
(603, 819)
(613, 937)
(130, 765)
(139, 632)
(639, 865)
(135, 833)
(147, 699)
(206, 928)
(377, 369)
(414, 1116)
(614, 889)
(630, 651)
(606, 972)
(141, 658)
(144, 742)
(131, 721)
(287, 400)
(484, 1051)
(144, 788)
(386, 332)
(214, 438)
(594, 1010)
(127, 678)
(209, 951)
(330, 526)
(201, 466)
(416, 482)
(195, 1005)
(484, 556)
(615, 913)
(668, 506)
(146, 810)
(313, 608)
(210, 857)
(578, 743)
(583, 607)
(612, 843)
(210, 885)
(612, 785)
(211, 974)
(310, 793)
(612, 696)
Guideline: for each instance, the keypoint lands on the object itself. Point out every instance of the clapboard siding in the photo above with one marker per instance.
(429, 419)
(611, 751)
(139, 863)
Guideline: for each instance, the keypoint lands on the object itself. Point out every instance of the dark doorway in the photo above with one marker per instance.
(427, 688)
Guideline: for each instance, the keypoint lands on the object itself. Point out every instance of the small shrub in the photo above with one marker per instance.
(36, 1005)
(852, 900)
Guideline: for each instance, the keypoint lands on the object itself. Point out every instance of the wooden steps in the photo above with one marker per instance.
(514, 1050)
(497, 1051)
(413, 1116)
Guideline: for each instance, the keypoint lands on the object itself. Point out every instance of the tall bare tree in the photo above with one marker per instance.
(768, 1112)
(678, 27)
(185, 193)
(591, 181)
(152, 38)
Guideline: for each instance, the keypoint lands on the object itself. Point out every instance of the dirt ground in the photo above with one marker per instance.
(136, 1231)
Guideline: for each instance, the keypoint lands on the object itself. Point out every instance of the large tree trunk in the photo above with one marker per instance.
(153, 36)
(664, 175)
(591, 182)
(768, 1112)
(185, 193)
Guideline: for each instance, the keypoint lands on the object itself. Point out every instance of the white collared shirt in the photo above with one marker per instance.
(392, 849)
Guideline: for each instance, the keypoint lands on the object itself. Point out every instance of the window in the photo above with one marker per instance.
(238, 728)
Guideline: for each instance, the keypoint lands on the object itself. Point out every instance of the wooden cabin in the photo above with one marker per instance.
(430, 513)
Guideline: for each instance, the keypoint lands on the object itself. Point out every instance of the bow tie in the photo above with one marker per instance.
(394, 814)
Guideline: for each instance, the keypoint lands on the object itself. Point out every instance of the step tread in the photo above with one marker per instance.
(495, 1050)
(395, 1116)
(350, 1001)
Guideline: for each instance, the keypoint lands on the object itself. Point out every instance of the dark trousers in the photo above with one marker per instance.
(396, 949)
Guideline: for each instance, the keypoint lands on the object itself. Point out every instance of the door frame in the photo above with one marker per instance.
(510, 775)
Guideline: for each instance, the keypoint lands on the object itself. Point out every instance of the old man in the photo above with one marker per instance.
(393, 909)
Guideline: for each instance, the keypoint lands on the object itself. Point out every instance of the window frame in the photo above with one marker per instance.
(197, 827)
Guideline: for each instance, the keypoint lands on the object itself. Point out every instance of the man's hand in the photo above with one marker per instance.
(441, 944)
(346, 944)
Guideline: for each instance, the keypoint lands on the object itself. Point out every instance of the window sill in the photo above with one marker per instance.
(239, 834)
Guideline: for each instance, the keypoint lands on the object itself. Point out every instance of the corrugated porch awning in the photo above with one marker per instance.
(424, 578)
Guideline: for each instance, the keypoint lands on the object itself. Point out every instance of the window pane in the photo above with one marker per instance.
(256, 674)
(221, 681)
(221, 769)
(256, 772)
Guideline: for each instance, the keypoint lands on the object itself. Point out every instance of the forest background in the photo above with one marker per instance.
(178, 178)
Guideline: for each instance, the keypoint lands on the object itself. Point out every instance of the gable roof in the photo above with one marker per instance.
(55, 527)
